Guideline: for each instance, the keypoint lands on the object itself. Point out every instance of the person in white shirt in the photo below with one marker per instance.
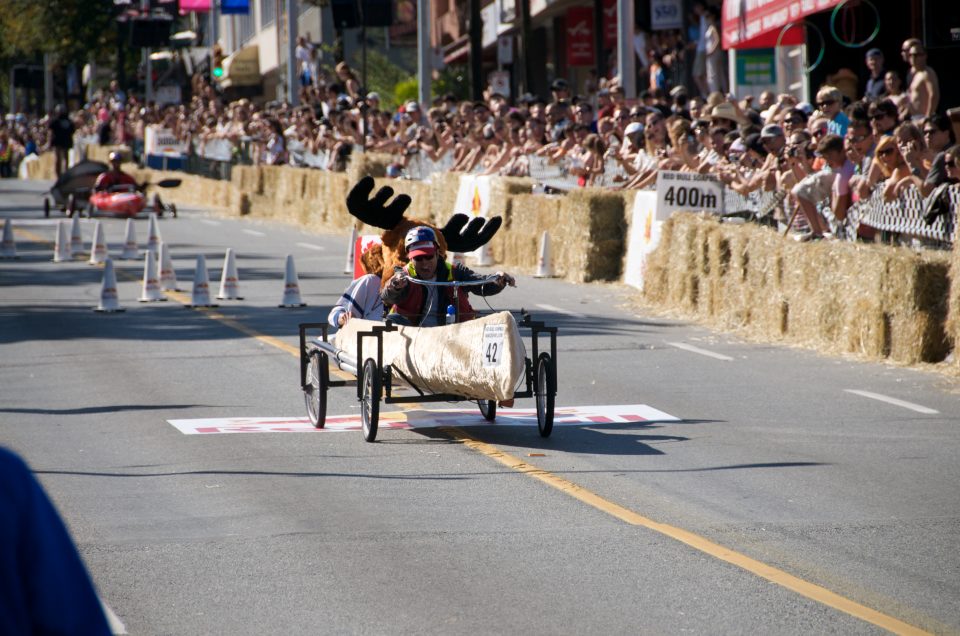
(361, 298)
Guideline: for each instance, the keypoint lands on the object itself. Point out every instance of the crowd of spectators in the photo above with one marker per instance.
(836, 150)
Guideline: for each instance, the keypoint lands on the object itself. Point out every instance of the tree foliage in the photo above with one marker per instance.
(74, 31)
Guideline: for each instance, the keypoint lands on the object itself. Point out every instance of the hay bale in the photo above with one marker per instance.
(953, 314)
(590, 235)
(875, 301)
(364, 164)
(517, 243)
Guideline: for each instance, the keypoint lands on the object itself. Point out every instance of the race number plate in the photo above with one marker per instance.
(492, 351)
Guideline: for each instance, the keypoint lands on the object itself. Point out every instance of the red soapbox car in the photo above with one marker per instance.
(128, 200)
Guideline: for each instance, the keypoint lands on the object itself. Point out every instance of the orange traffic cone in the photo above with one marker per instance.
(230, 278)
(109, 301)
(291, 286)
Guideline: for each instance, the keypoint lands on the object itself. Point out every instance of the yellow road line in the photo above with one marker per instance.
(768, 572)
(795, 584)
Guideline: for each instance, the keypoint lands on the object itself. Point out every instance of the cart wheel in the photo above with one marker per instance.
(46, 208)
(71, 206)
(488, 409)
(545, 391)
(173, 209)
(315, 393)
(370, 403)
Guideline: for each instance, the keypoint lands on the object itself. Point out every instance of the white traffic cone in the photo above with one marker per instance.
(544, 260)
(291, 286)
(153, 234)
(348, 266)
(230, 278)
(8, 248)
(109, 300)
(484, 256)
(61, 249)
(151, 282)
(130, 250)
(76, 237)
(98, 248)
(168, 276)
(200, 296)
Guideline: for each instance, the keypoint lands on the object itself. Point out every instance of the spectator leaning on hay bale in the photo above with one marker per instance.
(832, 183)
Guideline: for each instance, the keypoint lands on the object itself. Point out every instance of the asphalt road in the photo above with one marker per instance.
(779, 501)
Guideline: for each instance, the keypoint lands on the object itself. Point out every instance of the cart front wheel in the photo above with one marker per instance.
(315, 393)
(370, 402)
(546, 390)
(488, 409)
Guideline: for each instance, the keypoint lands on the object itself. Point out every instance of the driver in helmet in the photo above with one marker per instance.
(426, 305)
(114, 176)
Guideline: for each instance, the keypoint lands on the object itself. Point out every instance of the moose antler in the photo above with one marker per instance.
(374, 211)
(477, 232)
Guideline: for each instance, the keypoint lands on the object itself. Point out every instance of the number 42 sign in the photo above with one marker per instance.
(492, 351)
(687, 191)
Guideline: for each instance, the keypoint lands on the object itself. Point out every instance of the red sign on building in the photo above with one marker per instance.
(580, 37)
(609, 24)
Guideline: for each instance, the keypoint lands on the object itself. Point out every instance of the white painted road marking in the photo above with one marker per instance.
(116, 625)
(889, 400)
(568, 416)
(703, 352)
(311, 246)
(210, 222)
(254, 233)
(561, 311)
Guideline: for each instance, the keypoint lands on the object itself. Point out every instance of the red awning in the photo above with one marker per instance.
(751, 24)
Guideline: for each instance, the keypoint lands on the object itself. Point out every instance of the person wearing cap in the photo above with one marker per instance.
(875, 89)
(361, 298)
(560, 89)
(426, 305)
(832, 184)
(115, 176)
(773, 139)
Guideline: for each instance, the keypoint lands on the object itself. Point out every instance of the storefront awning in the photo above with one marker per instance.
(242, 68)
(751, 24)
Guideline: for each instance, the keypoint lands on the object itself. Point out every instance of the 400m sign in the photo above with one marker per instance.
(687, 191)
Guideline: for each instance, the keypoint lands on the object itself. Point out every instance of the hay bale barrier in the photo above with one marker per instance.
(876, 301)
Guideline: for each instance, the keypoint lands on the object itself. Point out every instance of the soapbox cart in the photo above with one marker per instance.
(377, 381)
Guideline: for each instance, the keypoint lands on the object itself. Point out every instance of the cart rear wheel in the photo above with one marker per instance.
(173, 209)
(370, 402)
(315, 393)
(46, 208)
(488, 409)
(545, 390)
